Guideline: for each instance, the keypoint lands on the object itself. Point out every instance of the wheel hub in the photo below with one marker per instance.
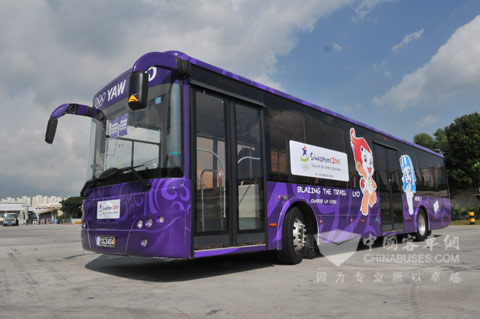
(421, 224)
(299, 235)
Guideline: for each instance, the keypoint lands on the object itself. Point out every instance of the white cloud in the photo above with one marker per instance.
(382, 67)
(365, 7)
(406, 39)
(337, 47)
(427, 121)
(454, 71)
(333, 48)
(56, 51)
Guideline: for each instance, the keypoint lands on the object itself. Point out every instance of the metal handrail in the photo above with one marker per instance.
(248, 157)
(221, 180)
(201, 192)
(216, 156)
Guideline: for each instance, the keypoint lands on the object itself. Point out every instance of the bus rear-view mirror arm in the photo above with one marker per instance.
(70, 108)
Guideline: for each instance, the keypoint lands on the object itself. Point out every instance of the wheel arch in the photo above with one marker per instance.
(307, 213)
(309, 216)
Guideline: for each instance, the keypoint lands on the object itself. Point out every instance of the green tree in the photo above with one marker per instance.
(72, 207)
(425, 140)
(463, 151)
(476, 171)
(441, 141)
(460, 144)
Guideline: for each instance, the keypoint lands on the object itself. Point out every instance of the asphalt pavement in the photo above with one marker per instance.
(45, 273)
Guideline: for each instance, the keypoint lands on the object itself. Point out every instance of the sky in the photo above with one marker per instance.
(402, 66)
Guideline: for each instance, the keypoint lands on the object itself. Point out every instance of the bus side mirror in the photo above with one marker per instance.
(51, 129)
(138, 91)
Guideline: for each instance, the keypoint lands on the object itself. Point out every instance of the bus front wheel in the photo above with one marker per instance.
(294, 238)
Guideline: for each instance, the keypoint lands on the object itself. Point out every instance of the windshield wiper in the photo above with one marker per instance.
(112, 172)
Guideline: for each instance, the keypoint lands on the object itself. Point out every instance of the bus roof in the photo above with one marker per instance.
(237, 77)
(152, 58)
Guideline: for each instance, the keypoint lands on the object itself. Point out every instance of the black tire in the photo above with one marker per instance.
(422, 226)
(292, 254)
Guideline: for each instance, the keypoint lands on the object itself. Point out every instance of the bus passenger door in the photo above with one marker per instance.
(229, 182)
(250, 221)
(387, 169)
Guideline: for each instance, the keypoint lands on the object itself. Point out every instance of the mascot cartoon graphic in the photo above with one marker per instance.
(364, 164)
(408, 180)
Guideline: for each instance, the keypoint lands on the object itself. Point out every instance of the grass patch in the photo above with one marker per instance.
(462, 222)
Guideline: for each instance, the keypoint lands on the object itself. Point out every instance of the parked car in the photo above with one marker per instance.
(10, 219)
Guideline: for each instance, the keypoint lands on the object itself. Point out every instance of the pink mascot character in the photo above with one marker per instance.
(364, 165)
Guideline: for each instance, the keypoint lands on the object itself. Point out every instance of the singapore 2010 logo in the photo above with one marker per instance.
(304, 157)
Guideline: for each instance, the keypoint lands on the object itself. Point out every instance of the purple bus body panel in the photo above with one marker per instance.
(165, 60)
(232, 250)
(168, 198)
(342, 211)
(437, 219)
(186, 150)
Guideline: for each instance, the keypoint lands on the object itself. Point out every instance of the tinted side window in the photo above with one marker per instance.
(441, 183)
(354, 177)
(424, 173)
(325, 131)
(284, 124)
(418, 173)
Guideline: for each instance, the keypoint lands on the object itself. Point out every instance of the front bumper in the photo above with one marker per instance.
(168, 239)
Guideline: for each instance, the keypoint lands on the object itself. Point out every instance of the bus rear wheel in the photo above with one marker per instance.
(294, 238)
(422, 226)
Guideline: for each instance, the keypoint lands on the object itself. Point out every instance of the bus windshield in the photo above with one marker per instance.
(148, 139)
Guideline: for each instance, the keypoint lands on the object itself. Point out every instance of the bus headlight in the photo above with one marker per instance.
(149, 223)
(140, 224)
(144, 242)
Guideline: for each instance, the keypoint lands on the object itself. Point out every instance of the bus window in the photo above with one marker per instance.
(325, 131)
(249, 168)
(285, 124)
(211, 181)
(418, 175)
(440, 177)
(354, 177)
(424, 173)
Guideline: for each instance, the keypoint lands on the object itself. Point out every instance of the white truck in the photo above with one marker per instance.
(10, 219)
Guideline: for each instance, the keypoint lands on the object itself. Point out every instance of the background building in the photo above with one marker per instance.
(26, 206)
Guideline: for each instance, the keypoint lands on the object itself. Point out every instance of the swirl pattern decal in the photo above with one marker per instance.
(167, 204)
(337, 208)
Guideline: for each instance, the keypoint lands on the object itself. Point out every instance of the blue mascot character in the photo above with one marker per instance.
(408, 180)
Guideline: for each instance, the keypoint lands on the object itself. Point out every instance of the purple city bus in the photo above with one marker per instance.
(188, 160)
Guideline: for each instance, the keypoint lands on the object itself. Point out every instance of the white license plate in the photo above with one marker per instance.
(107, 241)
